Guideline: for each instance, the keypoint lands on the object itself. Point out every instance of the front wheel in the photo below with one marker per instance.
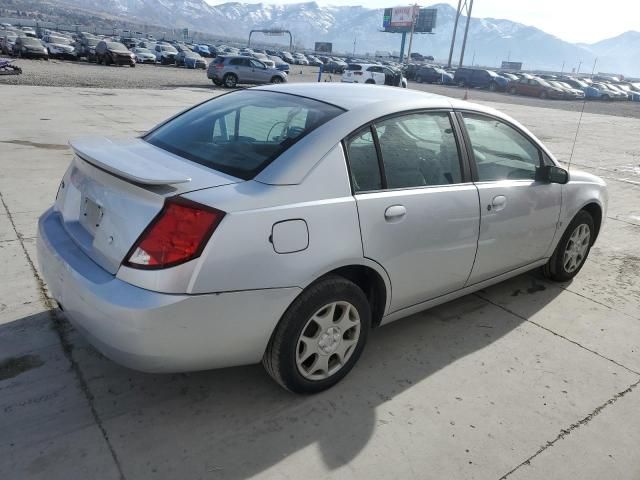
(276, 79)
(543, 95)
(572, 250)
(493, 86)
(230, 80)
(419, 79)
(320, 337)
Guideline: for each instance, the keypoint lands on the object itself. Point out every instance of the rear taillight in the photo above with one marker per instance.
(219, 65)
(176, 235)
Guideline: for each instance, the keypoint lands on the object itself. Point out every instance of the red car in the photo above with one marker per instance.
(535, 87)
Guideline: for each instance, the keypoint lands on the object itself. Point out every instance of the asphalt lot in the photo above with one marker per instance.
(524, 380)
(82, 74)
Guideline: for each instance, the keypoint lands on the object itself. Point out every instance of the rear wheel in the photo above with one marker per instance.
(462, 84)
(320, 337)
(370, 82)
(606, 97)
(419, 79)
(230, 80)
(276, 79)
(513, 90)
(572, 250)
(493, 86)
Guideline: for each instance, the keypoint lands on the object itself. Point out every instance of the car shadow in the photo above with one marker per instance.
(235, 423)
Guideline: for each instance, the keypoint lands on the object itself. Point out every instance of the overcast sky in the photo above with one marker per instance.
(571, 20)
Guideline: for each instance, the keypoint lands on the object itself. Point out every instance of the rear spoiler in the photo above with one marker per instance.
(133, 159)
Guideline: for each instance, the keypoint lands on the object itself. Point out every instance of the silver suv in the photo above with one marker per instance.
(232, 70)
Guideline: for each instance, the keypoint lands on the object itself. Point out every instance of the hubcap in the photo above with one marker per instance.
(576, 249)
(328, 340)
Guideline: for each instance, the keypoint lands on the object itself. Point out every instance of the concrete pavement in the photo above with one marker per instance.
(527, 379)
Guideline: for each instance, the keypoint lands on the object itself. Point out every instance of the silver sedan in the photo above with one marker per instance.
(282, 223)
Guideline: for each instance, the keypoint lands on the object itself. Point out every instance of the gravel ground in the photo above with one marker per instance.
(83, 74)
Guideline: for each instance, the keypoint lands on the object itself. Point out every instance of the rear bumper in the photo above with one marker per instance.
(151, 331)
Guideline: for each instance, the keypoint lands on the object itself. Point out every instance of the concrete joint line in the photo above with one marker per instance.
(67, 347)
(558, 335)
(567, 431)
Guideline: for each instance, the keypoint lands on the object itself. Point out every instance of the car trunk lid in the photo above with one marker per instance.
(113, 190)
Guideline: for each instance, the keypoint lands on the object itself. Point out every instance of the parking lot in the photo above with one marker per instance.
(524, 380)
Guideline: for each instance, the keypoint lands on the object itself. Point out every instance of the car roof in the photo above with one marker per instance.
(363, 104)
(352, 96)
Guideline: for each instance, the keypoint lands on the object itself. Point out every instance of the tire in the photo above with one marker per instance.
(493, 86)
(230, 80)
(462, 84)
(419, 79)
(560, 267)
(217, 83)
(544, 95)
(326, 299)
(133, 65)
(276, 79)
(513, 91)
(370, 82)
(606, 98)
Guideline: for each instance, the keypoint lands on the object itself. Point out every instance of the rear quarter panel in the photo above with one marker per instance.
(240, 255)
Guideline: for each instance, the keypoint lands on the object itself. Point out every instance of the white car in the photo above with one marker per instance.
(281, 223)
(59, 46)
(373, 74)
(144, 55)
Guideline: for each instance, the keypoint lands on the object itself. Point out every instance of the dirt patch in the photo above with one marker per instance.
(14, 366)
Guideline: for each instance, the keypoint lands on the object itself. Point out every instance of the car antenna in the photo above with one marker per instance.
(584, 103)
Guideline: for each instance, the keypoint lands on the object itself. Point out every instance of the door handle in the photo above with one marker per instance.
(395, 213)
(498, 203)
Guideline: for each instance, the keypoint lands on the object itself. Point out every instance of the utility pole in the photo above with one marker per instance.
(413, 26)
(579, 65)
(455, 29)
(355, 39)
(594, 67)
(466, 31)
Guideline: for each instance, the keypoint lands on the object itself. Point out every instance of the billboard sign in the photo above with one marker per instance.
(403, 16)
(323, 47)
(400, 19)
(511, 65)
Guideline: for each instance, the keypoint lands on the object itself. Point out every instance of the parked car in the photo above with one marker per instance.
(279, 63)
(478, 78)
(202, 50)
(570, 93)
(144, 55)
(86, 47)
(233, 70)
(129, 42)
(189, 59)
(165, 54)
(59, 47)
(300, 59)
(335, 65)
(315, 61)
(433, 75)
(373, 74)
(29, 47)
(228, 254)
(7, 41)
(287, 57)
(608, 93)
(29, 32)
(535, 87)
(114, 53)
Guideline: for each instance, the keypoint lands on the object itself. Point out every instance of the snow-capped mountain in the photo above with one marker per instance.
(490, 40)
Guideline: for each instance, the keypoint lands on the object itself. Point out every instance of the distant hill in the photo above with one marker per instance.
(490, 40)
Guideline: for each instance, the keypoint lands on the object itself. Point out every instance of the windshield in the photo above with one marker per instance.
(32, 42)
(143, 50)
(59, 40)
(242, 132)
(167, 48)
(118, 47)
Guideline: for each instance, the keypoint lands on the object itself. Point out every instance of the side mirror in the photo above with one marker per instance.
(552, 174)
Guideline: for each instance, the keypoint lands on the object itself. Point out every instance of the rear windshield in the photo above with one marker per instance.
(242, 132)
(353, 66)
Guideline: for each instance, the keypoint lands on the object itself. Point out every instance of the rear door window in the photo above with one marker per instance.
(242, 132)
